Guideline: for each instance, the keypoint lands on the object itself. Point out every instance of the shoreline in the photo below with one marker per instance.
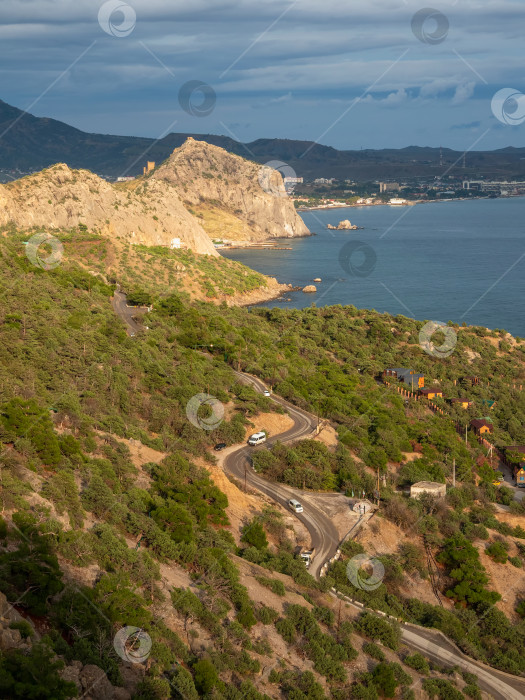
(409, 203)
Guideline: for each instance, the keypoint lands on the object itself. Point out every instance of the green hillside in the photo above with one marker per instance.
(88, 539)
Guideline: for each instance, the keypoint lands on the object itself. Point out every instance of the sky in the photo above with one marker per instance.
(349, 74)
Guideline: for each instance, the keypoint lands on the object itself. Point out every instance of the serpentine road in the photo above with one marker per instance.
(325, 538)
(323, 533)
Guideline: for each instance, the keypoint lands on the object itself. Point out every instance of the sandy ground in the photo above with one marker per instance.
(328, 436)
(381, 536)
(271, 423)
(506, 579)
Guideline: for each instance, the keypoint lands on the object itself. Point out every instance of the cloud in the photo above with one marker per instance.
(463, 92)
(468, 125)
(302, 63)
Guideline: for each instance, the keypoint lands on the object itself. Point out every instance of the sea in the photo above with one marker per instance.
(458, 260)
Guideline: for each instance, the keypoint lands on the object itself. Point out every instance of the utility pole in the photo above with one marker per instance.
(245, 470)
(454, 472)
(466, 441)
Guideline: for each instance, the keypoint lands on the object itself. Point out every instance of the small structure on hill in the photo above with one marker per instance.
(481, 426)
(407, 376)
(432, 392)
(362, 507)
(431, 487)
(462, 403)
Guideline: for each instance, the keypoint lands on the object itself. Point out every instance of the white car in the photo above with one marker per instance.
(295, 506)
(266, 393)
(257, 439)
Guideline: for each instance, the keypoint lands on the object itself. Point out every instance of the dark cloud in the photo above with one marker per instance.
(301, 65)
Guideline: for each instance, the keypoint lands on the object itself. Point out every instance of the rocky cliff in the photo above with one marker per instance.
(234, 198)
(154, 209)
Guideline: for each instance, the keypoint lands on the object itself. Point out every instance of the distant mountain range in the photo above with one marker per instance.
(29, 143)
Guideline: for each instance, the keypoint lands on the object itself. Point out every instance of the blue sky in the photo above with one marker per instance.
(348, 74)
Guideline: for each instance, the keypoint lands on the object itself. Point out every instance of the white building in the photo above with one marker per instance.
(175, 243)
(431, 487)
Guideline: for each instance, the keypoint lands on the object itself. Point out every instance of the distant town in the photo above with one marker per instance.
(326, 193)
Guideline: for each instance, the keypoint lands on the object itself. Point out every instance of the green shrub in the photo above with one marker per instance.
(418, 662)
(374, 651)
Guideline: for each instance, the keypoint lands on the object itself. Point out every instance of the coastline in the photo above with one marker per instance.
(412, 203)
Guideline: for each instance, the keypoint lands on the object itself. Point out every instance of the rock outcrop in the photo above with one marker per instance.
(157, 208)
(344, 225)
(252, 197)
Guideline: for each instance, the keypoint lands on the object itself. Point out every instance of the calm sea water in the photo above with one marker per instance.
(460, 261)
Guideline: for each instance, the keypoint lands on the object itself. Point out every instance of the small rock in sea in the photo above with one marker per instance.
(310, 288)
(317, 279)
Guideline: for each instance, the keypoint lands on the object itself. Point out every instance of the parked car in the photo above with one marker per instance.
(220, 446)
(257, 438)
(266, 393)
(307, 556)
(295, 506)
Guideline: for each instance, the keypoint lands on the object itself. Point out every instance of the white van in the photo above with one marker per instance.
(257, 438)
(295, 506)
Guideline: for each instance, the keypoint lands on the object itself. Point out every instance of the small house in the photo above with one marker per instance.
(407, 376)
(461, 403)
(519, 475)
(414, 381)
(481, 426)
(396, 372)
(433, 488)
(488, 403)
(432, 392)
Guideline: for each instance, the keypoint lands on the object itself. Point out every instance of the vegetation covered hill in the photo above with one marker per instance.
(93, 542)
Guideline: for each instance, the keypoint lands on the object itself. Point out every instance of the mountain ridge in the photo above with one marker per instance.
(29, 143)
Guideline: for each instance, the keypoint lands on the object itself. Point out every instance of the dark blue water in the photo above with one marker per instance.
(459, 261)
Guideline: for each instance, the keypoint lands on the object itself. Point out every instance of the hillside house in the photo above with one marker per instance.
(432, 392)
(488, 403)
(519, 475)
(461, 403)
(481, 426)
(407, 376)
(433, 488)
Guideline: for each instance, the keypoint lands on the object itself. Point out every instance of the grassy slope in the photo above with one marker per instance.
(62, 348)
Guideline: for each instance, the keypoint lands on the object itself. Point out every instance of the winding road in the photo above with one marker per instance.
(323, 533)
(325, 538)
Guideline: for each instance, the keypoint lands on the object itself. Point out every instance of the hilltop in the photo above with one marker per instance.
(32, 143)
(200, 190)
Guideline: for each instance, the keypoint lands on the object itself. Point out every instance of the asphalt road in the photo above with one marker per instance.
(325, 538)
(124, 312)
(323, 533)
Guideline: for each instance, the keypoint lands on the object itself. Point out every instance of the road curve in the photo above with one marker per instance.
(323, 533)
(325, 539)
(125, 312)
